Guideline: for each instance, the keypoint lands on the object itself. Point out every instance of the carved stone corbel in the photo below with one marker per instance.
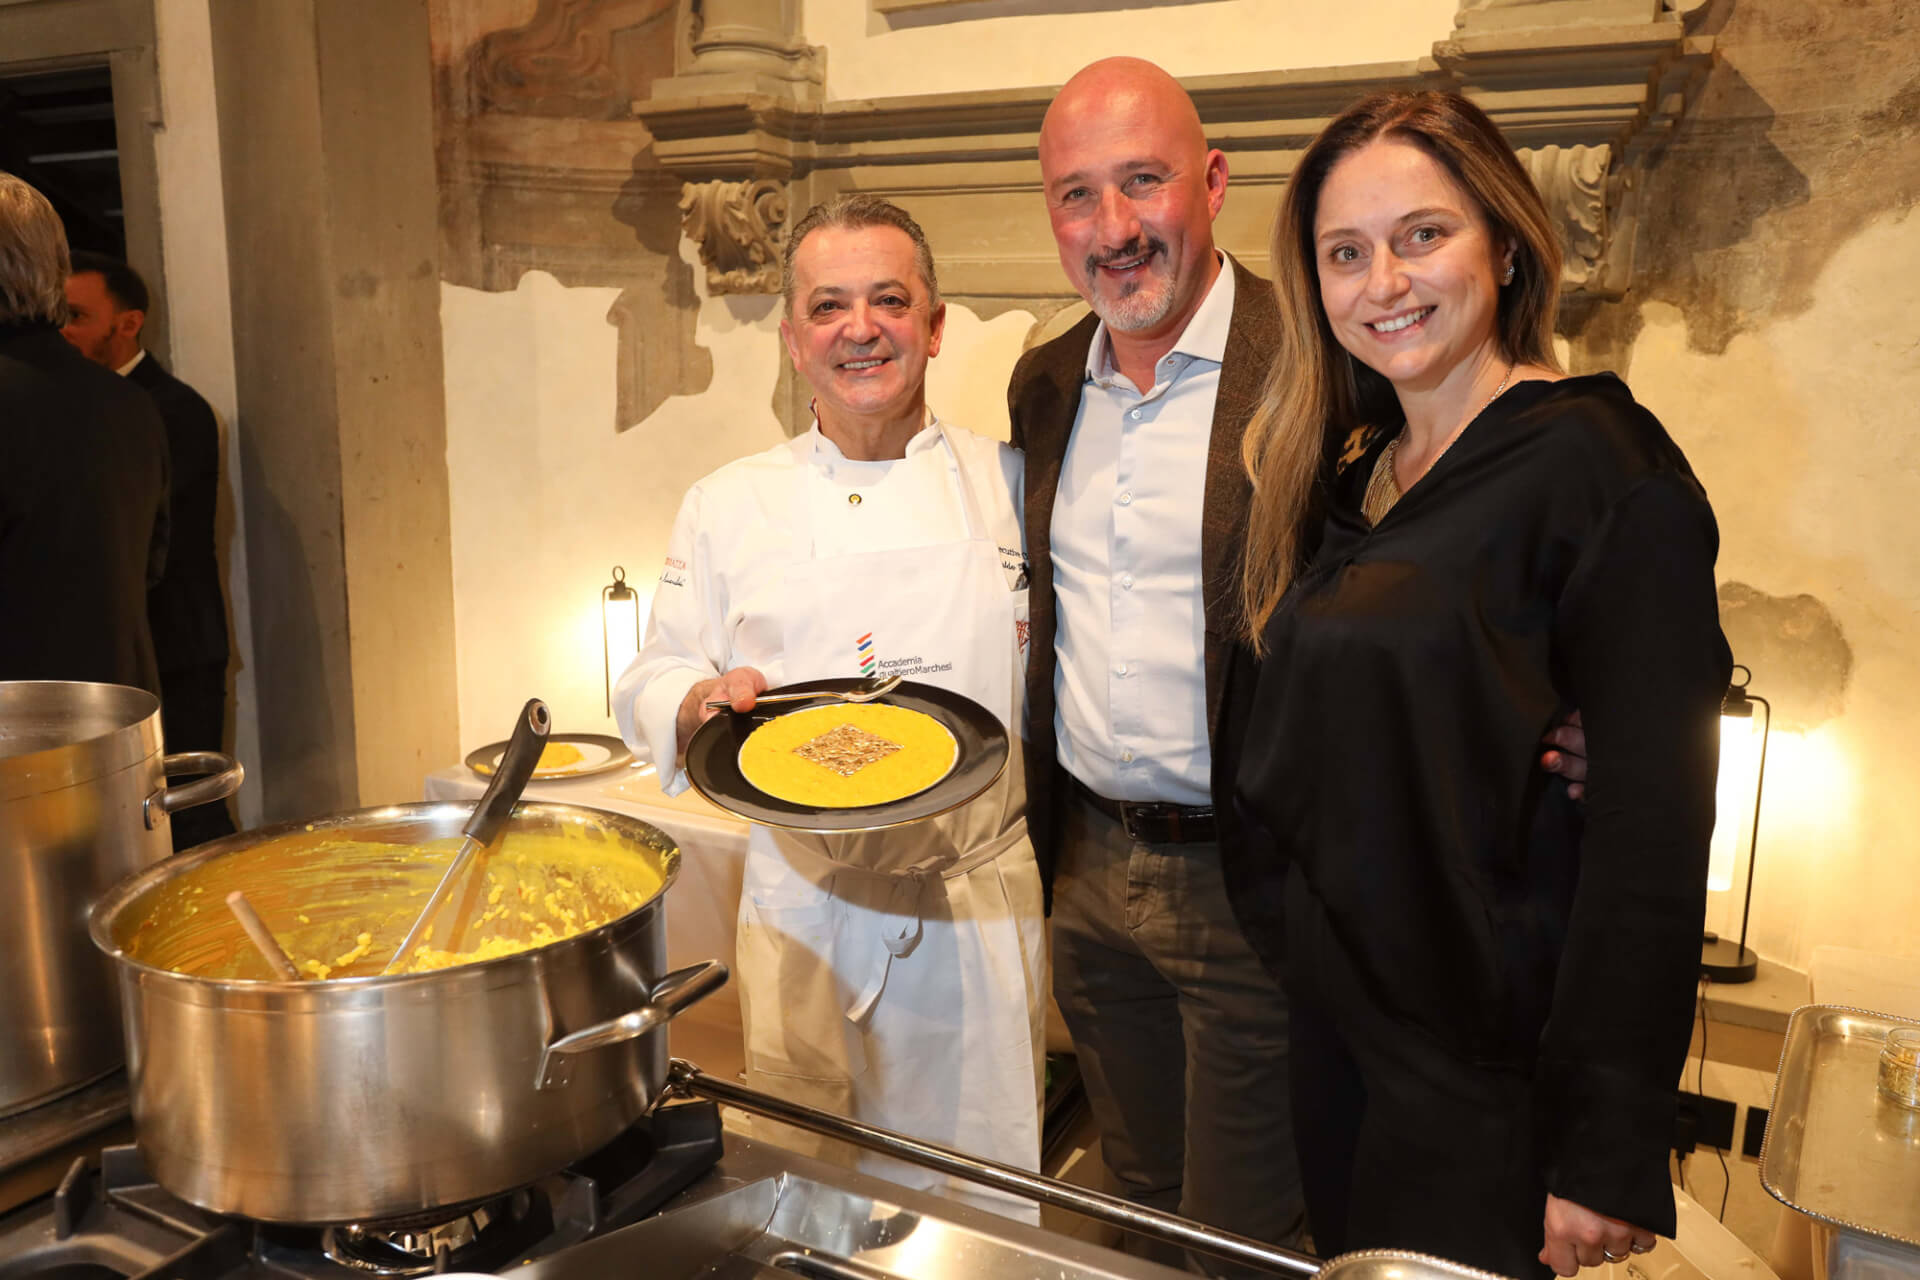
(1580, 187)
(738, 226)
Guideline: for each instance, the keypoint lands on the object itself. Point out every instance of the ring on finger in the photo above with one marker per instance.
(1611, 1256)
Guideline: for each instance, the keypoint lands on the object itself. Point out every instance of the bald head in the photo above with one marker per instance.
(1121, 87)
(1132, 192)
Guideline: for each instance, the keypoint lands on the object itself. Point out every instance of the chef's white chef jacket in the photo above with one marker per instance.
(911, 1001)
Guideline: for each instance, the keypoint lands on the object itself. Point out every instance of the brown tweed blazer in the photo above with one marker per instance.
(1044, 398)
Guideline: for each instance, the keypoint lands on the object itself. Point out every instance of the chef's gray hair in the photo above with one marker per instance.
(852, 212)
(33, 257)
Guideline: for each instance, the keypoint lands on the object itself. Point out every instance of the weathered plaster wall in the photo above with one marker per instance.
(326, 149)
(1772, 328)
(1767, 324)
(1004, 44)
(186, 150)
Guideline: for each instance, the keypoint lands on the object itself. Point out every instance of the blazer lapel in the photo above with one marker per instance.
(1243, 372)
(1054, 406)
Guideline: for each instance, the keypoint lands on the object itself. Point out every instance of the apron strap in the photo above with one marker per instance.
(903, 900)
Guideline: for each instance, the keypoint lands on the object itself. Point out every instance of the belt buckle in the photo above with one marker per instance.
(1134, 817)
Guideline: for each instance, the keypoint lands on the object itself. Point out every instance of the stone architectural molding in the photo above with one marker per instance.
(1515, 15)
(745, 47)
(1591, 87)
(738, 227)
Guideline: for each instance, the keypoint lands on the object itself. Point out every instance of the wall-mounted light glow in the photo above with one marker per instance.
(1741, 736)
(1743, 773)
(619, 627)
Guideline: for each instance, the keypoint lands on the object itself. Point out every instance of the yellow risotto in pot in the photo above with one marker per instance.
(843, 757)
(339, 905)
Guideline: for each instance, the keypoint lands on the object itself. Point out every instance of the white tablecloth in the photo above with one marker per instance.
(704, 903)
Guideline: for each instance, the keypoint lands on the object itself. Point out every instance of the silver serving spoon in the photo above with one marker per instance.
(873, 689)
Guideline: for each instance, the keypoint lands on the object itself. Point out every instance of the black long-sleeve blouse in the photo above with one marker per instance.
(1559, 555)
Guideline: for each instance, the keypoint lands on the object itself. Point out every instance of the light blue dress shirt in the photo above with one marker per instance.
(1130, 683)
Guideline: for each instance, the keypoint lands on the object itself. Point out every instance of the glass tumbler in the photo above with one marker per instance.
(1900, 1066)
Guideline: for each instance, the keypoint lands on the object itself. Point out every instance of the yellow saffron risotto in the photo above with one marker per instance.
(558, 755)
(842, 757)
(339, 906)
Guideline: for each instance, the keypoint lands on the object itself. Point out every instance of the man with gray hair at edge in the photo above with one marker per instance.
(83, 478)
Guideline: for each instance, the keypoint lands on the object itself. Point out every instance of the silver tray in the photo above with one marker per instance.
(1398, 1264)
(1835, 1149)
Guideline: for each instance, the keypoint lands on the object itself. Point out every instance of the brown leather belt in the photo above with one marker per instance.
(1153, 822)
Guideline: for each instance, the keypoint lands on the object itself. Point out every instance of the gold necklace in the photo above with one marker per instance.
(1383, 490)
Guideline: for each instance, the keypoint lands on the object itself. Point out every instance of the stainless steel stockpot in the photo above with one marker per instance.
(362, 1099)
(83, 803)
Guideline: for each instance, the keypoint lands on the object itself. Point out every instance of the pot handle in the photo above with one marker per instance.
(227, 776)
(673, 993)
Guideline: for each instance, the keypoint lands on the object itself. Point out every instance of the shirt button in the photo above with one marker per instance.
(1135, 414)
(1126, 497)
(1121, 669)
(1126, 581)
(1126, 757)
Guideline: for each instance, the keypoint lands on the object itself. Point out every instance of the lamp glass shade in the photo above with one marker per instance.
(623, 632)
(1733, 799)
(619, 628)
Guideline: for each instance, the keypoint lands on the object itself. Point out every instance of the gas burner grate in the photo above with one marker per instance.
(483, 1238)
(116, 1224)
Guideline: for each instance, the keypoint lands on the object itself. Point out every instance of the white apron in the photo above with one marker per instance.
(898, 976)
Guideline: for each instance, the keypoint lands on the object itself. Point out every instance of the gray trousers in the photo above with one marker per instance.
(1180, 1032)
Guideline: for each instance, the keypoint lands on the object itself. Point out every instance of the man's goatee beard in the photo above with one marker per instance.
(1136, 308)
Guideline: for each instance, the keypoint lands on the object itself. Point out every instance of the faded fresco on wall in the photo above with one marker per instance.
(543, 167)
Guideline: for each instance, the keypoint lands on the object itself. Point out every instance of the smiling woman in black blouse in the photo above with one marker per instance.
(1492, 986)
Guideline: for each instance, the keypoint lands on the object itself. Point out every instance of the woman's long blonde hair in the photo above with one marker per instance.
(1316, 393)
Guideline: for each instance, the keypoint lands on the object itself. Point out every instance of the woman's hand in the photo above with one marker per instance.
(1567, 754)
(1578, 1237)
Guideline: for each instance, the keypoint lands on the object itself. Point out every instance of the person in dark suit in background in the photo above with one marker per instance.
(107, 301)
(83, 478)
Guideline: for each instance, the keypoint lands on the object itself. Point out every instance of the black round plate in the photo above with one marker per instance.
(713, 761)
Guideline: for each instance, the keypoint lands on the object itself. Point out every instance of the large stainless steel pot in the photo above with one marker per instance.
(83, 803)
(361, 1099)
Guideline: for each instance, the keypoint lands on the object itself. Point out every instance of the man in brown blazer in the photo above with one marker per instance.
(1136, 501)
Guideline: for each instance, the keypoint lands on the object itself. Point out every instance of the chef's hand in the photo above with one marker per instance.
(1578, 1237)
(740, 686)
(1569, 760)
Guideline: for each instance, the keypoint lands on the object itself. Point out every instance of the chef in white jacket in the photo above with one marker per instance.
(895, 976)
